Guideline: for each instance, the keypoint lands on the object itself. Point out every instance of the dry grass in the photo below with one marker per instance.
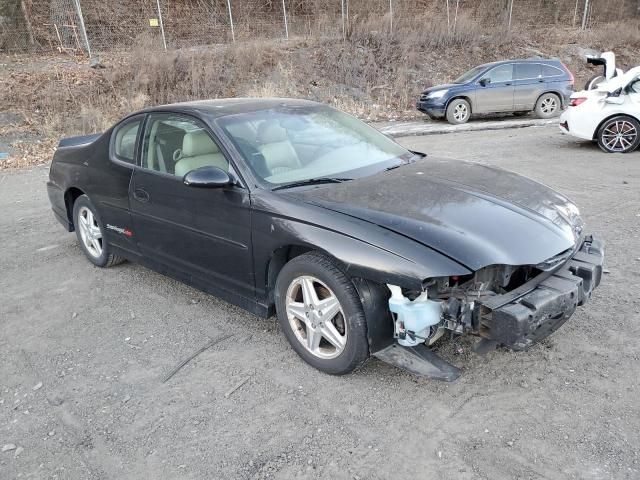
(373, 73)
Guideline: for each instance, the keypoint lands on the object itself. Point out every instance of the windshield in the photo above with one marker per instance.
(470, 75)
(293, 144)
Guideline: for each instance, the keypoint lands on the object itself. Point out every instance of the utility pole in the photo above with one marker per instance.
(233, 34)
(164, 39)
(585, 14)
(344, 28)
(510, 14)
(286, 25)
(448, 21)
(84, 30)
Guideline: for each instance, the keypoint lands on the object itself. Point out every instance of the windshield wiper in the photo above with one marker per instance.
(312, 181)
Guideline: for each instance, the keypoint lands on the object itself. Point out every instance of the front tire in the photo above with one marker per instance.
(90, 233)
(547, 106)
(620, 134)
(458, 111)
(320, 313)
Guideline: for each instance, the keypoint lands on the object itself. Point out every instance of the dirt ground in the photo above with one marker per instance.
(83, 352)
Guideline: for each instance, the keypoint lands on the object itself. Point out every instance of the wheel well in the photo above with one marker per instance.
(595, 132)
(70, 197)
(279, 258)
(463, 97)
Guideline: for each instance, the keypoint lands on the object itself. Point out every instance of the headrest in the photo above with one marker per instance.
(271, 132)
(198, 143)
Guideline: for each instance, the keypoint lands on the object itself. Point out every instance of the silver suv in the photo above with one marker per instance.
(519, 86)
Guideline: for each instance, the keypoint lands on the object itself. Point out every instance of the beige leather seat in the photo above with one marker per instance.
(199, 150)
(278, 153)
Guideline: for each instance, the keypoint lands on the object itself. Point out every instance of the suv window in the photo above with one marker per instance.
(527, 71)
(176, 144)
(501, 73)
(549, 71)
(124, 144)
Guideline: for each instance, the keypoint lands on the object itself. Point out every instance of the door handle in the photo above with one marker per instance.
(508, 84)
(141, 195)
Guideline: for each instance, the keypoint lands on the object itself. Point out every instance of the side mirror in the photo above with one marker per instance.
(484, 81)
(207, 177)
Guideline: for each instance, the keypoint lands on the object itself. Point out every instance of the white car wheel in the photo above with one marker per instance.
(620, 134)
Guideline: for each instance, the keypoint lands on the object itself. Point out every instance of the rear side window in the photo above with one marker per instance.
(549, 71)
(124, 143)
(525, 71)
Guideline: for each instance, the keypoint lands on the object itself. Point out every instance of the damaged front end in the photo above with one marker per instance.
(511, 306)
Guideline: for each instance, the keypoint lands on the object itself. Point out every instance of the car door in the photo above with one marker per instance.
(203, 234)
(110, 189)
(528, 85)
(494, 92)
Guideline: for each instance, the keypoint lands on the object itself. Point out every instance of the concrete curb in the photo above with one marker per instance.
(408, 129)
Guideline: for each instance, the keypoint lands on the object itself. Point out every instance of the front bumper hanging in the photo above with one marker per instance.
(519, 318)
(530, 313)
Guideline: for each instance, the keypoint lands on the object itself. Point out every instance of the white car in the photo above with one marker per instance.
(609, 114)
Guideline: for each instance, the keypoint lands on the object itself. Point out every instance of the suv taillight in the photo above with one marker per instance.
(571, 77)
(577, 101)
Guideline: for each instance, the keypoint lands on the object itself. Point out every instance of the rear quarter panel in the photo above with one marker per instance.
(87, 168)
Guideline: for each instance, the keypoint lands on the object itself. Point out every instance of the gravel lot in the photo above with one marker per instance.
(84, 350)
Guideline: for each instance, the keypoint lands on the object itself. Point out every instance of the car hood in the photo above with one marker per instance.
(474, 214)
(436, 88)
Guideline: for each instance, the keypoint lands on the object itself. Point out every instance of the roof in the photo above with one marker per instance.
(523, 60)
(230, 106)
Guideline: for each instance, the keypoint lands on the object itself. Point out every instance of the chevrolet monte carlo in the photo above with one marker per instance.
(360, 246)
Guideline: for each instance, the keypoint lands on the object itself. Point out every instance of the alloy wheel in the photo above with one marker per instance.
(548, 105)
(316, 317)
(460, 112)
(619, 136)
(90, 232)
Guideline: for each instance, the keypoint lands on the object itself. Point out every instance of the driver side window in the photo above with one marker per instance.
(176, 144)
(501, 73)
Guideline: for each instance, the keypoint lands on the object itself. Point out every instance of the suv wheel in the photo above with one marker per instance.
(458, 111)
(547, 106)
(321, 315)
(620, 134)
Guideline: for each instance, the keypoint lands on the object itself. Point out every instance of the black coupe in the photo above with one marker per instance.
(361, 246)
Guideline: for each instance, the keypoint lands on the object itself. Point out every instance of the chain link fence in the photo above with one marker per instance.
(83, 26)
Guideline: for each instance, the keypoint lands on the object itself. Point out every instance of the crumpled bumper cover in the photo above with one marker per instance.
(520, 322)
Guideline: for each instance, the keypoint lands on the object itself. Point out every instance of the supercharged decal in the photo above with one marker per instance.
(124, 231)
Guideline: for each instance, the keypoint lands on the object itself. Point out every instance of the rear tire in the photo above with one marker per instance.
(547, 106)
(620, 134)
(320, 313)
(458, 111)
(90, 233)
